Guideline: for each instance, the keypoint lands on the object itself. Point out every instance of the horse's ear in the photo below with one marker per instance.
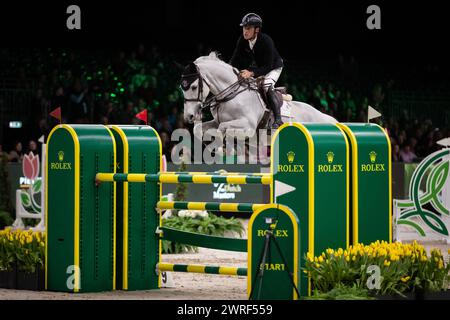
(215, 55)
(191, 68)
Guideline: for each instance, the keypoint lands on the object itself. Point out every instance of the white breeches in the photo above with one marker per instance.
(272, 77)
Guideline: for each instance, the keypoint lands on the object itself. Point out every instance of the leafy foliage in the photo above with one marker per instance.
(342, 292)
(404, 268)
(210, 225)
(26, 249)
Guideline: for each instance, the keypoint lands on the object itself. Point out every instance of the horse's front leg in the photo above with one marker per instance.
(201, 127)
(237, 125)
(243, 132)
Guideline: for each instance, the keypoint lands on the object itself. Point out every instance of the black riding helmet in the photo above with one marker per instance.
(251, 19)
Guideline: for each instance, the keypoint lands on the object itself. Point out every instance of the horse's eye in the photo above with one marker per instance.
(194, 88)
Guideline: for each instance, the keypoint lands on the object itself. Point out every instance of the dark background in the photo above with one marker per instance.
(411, 31)
(411, 49)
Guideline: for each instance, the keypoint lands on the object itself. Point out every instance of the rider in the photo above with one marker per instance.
(255, 55)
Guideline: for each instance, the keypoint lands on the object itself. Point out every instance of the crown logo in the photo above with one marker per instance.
(373, 156)
(330, 156)
(291, 156)
(61, 155)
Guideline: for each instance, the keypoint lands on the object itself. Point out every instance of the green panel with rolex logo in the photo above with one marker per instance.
(274, 277)
(139, 245)
(331, 187)
(320, 199)
(80, 215)
(371, 182)
(290, 166)
(60, 208)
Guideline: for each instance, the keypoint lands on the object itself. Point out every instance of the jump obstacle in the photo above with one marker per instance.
(340, 182)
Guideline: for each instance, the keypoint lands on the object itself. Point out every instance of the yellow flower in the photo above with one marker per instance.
(317, 265)
(347, 258)
(405, 279)
(354, 258)
(387, 263)
(310, 256)
(441, 264)
(423, 258)
(320, 259)
(435, 251)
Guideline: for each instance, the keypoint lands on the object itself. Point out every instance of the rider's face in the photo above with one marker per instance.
(248, 32)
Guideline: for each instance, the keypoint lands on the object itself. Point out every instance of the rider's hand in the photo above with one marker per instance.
(246, 74)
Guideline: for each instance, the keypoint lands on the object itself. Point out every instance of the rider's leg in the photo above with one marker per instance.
(269, 83)
(275, 106)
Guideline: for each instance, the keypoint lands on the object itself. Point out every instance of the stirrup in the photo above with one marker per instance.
(276, 124)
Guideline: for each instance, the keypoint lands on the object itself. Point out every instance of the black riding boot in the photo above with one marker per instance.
(274, 105)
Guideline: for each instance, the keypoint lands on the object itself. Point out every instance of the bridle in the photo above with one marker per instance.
(225, 95)
(186, 81)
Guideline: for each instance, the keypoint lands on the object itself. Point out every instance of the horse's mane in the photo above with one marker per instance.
(214, 56)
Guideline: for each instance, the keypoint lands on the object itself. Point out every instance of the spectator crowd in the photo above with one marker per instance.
(111, 88)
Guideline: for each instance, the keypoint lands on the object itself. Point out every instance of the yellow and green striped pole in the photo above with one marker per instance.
(195, 178)
(211, 206)
(230, 271)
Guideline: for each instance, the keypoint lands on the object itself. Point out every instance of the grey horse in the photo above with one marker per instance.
(234, 104)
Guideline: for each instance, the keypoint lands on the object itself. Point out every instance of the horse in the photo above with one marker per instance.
(234, 103)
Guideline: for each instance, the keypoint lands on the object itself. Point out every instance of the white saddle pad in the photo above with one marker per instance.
(285, 110)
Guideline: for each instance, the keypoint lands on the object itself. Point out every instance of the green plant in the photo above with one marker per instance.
(24, 248)
(342, 292)
(209, 224)
(403, 268)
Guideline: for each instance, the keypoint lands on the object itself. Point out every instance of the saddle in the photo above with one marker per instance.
(280, 91)
(281, 94)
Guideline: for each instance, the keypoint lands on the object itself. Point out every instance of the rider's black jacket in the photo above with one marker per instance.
(261, 60)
